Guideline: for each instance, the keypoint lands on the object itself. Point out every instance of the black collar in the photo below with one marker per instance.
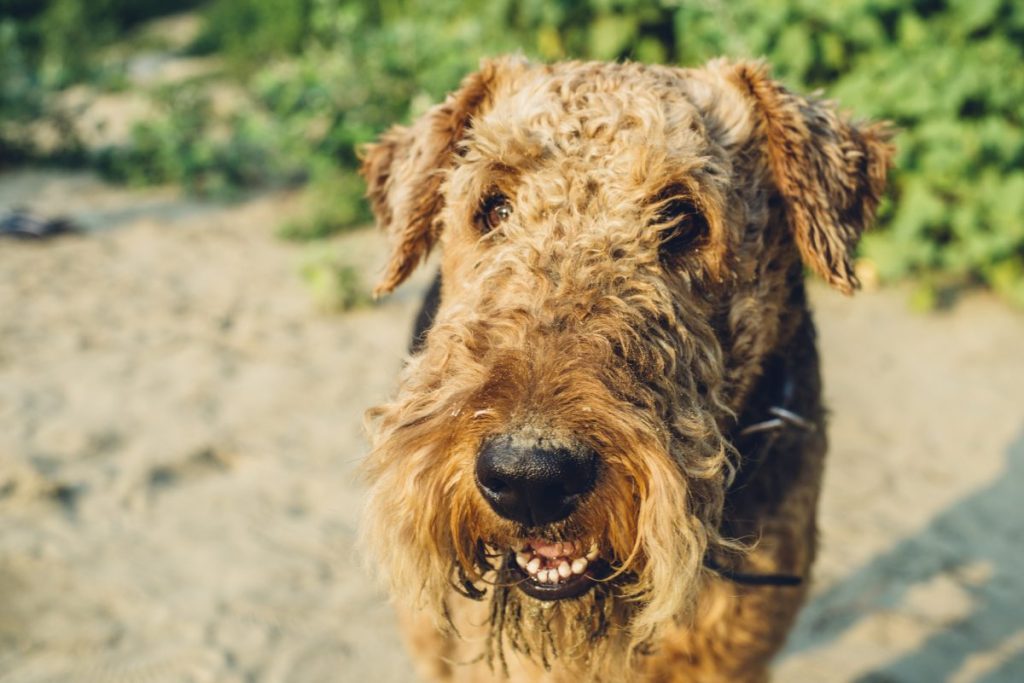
(785, 580)
(771, 413)
(758, 430)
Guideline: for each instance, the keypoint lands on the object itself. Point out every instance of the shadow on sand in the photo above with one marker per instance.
(985, 645)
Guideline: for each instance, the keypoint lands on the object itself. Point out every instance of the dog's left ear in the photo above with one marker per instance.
(405, 169)
(829, 171)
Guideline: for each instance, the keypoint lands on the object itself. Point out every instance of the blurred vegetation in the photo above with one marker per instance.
(322, 76)
(333, 281)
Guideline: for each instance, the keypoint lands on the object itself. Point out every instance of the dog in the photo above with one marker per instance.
(604, 456)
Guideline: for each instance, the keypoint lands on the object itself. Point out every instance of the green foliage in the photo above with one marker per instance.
(47, 45)
(335, 203)
(335, 285)
(18, 97)
(58, 38)
(188, 145)
(325, 76)
(250, 31)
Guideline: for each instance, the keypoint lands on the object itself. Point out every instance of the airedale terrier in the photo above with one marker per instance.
(604, 457)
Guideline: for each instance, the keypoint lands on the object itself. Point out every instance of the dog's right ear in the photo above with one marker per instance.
(829, 171)
(405, 169)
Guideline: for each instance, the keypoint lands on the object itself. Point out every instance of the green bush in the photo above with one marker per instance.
(59, 37)
(248, 32)
(19, 98)
(335, 285)
(189, 146)
(46, 45)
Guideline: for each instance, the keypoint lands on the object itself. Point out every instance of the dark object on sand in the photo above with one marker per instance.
(23, 225)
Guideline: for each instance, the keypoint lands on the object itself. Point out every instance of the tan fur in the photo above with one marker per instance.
(570, 319)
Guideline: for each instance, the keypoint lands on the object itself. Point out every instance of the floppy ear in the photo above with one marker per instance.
(830, 172)
(405, 169)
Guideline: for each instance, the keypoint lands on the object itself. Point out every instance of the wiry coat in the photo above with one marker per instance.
(643, 295)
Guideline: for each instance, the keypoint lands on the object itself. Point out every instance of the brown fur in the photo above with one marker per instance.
(571, 320)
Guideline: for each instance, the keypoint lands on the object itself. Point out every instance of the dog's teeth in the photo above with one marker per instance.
(554, 563)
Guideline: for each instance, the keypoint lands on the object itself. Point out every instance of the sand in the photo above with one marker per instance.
(180, 436)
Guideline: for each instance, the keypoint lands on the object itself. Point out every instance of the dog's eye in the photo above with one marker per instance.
(682, 226)
(495, 210)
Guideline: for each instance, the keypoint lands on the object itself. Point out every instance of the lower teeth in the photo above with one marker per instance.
(544, 570)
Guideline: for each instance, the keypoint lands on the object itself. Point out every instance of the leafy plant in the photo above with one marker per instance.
(336, 285)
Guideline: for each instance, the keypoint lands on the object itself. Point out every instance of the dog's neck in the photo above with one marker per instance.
(782, 410)
(778, 402)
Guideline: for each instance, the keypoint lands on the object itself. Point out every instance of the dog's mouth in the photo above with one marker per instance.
(557, 570)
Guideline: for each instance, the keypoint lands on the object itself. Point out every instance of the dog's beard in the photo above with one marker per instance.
(584, 634)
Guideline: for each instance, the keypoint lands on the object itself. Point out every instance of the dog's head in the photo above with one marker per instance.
(619, 245)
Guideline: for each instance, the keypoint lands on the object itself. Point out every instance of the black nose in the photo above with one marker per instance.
(532, 483)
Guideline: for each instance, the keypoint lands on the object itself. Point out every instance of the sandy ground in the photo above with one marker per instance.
(180, 433)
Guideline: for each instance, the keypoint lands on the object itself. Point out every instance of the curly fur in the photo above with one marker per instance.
(570, 320)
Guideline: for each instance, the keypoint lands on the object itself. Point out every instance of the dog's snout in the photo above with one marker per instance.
(534, 484)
